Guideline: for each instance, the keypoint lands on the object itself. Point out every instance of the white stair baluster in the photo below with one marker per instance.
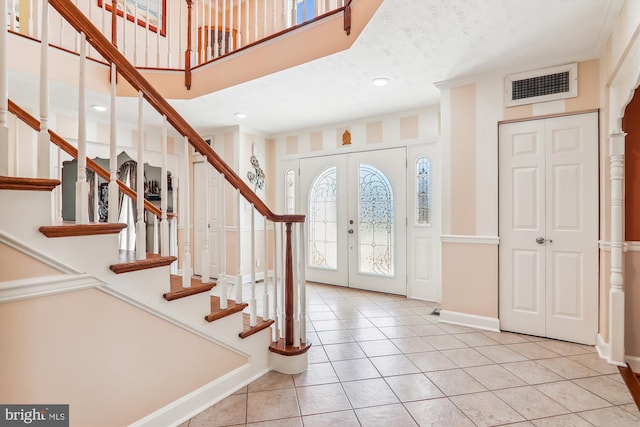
(141, 228)
(303, 286)
(252, 302)
(96, 214)
(173, 225)
(207, 31)
(164, 193)
(265, 278)
(135, 31)
(44, 146)
(222, 246)
(231, 37)
(146, 42)
(296, 290)
(82, 186)
(224, 28)
(114, 191)
(4, 93)
(238, 37)
(156, 230)
(184, 196)
(238, 289)
(57, 217)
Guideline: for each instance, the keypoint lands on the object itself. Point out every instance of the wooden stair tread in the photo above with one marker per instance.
(247, 330)
(280, 347)
(632, 380)
(129, 263)
(177, 291)
(218, 313)
(29, 184)
(92, 229)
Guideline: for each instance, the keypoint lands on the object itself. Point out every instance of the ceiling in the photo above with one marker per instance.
(415, 43)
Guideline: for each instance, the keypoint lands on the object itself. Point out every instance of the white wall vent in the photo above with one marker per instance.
(548, 84)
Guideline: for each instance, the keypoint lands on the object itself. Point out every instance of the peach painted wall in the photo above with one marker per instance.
(16, 265)
(110, 361)
(470, 278)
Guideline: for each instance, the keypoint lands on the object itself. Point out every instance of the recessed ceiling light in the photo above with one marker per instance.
(99, 107)
(380, 81)
(240, 115)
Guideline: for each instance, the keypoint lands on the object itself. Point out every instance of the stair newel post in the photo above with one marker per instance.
(114, 191)
(288, 290)
(186, 214)
(206, 253)
(141, 228)
(265, 277)
(82, 186)
(4, 92)
(238, 289)
(303, 284)
(252, 303)
(164, 193)
(188, 53)
(44, 146)
(222, 248)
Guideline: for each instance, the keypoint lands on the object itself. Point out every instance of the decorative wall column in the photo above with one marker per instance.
(616, 292)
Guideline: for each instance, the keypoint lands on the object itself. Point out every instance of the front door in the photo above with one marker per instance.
(549, 227)
(356, 214)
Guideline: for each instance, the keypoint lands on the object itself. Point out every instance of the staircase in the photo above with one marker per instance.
(85, 256)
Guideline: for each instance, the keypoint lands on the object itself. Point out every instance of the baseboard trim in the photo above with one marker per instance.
(633, 362)
(188, 406)
(17, 290)
(604, 351)
(470, 320)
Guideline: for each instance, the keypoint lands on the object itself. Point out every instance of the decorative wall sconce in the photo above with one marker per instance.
(257, 177)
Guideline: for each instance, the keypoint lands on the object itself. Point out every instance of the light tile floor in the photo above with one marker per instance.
(384, 360)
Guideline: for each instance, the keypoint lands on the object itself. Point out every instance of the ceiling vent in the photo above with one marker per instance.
(548, 84)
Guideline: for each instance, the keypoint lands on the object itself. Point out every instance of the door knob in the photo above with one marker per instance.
(541, 240)
(350, 231)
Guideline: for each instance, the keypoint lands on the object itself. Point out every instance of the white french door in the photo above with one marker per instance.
(549, 227)
(356, 214)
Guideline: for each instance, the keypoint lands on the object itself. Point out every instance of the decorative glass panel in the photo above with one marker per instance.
(323, 230)
(423, 186)
(290, 191)
(376, 237)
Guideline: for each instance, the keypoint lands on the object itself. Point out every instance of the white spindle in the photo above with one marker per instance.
(247, 37)
(224, 27)
(44, 146)
(252, 302)
(303, 286)
(141, 228)
(181, 39)
(164, 193)
(16, 148)
(238, 249)
(184, 195)
(222, 251)
(57, 217)
(156, 240)
(231, 37)
(135, 30)
(296, 290)
(216, 42)
(238, 38)
(207, 31)
(96, 198)
(273, 16)
(4, 93)
(82, 186)
(168, 33)
(206, 254)
(114, 191)
(173, 225)
(200, 37)
(276, 259)
(265, 281)
(161, 17)
(13, 15)
(146, 42)
(264, 19)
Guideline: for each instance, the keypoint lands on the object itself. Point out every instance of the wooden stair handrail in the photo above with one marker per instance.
(104, 47)
(56, 139)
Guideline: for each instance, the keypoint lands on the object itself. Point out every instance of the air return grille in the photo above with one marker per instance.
(541, 85)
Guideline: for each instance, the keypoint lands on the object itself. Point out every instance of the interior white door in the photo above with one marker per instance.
(549, 227)
(356, 215)
(205, 221)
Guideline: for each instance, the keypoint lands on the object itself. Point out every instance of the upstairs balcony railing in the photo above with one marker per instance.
(174, 34)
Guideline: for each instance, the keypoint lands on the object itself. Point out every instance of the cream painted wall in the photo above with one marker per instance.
(110, 361)
(16, 265)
